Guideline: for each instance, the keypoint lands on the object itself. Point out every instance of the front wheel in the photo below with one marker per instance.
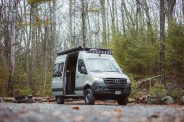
(89, 97)
(122, 100)
(60, 100)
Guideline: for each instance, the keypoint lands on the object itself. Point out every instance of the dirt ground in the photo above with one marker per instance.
(77, 111)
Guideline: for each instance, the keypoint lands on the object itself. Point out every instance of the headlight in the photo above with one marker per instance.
(128, 80)
(97, 79)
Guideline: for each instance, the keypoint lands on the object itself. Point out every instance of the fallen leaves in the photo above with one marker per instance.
(154, 115)
(76, 107)
(117, 110)
(22, 114)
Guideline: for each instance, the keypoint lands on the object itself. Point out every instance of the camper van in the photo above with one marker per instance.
(91, 74)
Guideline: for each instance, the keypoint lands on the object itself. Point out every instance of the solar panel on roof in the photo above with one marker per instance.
(88, 50)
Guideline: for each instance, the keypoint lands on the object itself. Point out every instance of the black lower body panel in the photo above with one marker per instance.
(101, 91)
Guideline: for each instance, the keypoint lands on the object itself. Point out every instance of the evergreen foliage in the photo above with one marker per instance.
(136, 53)
(158, 91)
(175, 51)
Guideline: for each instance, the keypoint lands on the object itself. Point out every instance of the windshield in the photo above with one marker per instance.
(101, 65)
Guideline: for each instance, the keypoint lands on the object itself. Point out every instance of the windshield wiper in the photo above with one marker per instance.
(110, 71)
(95, 71)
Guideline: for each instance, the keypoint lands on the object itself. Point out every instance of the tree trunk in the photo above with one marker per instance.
(70, 23)
(183, 8)
(33, 38)
(2, 58)
(138, 12)
(123, 18)
(45, 59)
(107, 15)
(130, 20)
(84, 28)
(113, 20)
(170, 6)
(116, 13)
(1, 30)
(89, 28)
(27, 42)
(162, 37)
(103, 13)
(12, 45)
(1, 48)
(149, 25)
(54, 30)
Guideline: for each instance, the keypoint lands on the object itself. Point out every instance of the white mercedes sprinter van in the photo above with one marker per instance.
(89, 73)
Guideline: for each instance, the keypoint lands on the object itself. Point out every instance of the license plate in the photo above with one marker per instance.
(117, 92)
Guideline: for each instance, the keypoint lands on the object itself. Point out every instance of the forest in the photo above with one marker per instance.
(146, 36)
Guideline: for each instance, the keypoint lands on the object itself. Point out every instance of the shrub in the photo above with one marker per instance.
(158, 91)
(175, 92)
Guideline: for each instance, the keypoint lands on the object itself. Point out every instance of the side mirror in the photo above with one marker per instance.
(122, 70)
(83, 70)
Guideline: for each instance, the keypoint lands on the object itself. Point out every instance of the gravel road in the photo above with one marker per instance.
(79, 112)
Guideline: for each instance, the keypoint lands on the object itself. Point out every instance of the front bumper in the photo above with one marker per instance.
(102, 91)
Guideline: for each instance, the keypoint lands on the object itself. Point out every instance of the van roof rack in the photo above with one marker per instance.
(72, 50)
(88, 50)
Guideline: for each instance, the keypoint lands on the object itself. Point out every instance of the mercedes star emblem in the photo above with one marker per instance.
(117, 81)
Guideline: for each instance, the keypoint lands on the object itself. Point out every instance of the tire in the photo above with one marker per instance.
(122, 100)
(60, 100)
(21, 97)
(89, 97)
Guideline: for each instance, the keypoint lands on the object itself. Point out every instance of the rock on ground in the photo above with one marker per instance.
(168, 100)
(182, 100)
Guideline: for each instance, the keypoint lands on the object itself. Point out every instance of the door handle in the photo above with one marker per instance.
(77, 76)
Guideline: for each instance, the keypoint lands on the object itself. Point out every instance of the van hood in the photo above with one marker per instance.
(109, 75)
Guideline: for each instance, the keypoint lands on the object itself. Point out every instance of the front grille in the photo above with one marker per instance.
(115, 82)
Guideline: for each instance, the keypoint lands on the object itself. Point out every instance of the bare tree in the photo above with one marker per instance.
(138, 14)
(102, 3)
(123, 17)
(70, 22)
(129, 18)
(162, 36)
(1, 32)
(183, 8)
(116, 14)
(33, 37)
(84, 26)
(27, 43)
(149, 25)
(14, 6)
(170, 6)
(113, 20)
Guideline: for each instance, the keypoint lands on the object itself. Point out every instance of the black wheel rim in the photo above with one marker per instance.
(58, 100)
(88, 97)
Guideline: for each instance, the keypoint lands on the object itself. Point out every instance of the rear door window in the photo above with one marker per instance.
(58, 69)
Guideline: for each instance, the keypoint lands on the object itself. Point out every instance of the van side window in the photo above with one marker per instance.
(58, 70)
(81, 67)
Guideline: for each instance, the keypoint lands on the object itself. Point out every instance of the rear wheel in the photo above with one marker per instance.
(89, 97)
(60, 100)
(122, 100)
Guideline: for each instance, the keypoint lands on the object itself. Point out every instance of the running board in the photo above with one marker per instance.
(72, 95)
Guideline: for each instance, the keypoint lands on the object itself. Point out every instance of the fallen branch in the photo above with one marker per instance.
(149, 82)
